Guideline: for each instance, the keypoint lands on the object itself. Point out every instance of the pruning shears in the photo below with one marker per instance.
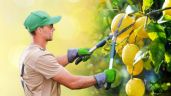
(98, 45)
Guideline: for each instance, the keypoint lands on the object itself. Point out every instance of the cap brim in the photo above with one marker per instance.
(54, 19)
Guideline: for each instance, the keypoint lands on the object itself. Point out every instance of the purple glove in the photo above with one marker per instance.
(72, 54)
(108, 76)
(100, 78)
(79, 52)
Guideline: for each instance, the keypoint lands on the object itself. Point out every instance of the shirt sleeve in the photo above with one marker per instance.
(48, 66)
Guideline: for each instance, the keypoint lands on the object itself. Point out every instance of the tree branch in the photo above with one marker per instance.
(156, 11)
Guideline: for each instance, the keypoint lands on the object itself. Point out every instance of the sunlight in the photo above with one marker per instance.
(68, 28)
(74, 1)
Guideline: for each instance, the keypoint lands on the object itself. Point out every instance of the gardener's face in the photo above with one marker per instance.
(47, 32)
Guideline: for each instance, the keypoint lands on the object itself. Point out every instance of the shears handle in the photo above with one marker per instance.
(78, 60)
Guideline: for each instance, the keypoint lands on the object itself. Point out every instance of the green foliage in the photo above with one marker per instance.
(156, 31)
(157, 4)
(147, 4)
(147, 64)
(157, 51)
(167, 30)
(119, 5)
(168, 61)
(160, 87)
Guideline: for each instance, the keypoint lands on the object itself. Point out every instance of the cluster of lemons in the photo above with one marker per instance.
(129, 43)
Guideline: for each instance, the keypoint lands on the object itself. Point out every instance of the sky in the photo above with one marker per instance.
(75, 30)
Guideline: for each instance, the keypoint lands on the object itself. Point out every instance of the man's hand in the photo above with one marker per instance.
(82, 53)
(108, 76)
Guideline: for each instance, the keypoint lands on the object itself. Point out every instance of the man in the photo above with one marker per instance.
(42, 72)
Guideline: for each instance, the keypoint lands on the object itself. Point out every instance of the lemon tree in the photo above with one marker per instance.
(142, 51)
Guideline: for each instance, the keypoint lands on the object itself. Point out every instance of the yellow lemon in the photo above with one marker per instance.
(133, 38)
(127, 20)
(138, 68)
(167, 3)
(135, 87)
(139, 27)
(128, 53)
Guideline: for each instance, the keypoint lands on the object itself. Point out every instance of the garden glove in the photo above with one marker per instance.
(108, 76)
(80, 52)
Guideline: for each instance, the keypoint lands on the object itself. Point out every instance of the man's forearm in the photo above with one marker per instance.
(63, 60)
(83, 82)
(73, 81)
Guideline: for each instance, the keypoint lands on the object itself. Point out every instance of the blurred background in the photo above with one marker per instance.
(75, 30)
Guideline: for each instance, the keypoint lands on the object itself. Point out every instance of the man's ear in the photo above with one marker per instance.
(39, 30)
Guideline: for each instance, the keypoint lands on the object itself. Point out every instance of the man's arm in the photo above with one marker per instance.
(48, 66)
(74, 82)
(62, 60)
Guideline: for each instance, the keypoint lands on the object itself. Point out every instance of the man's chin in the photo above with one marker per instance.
(49, 39)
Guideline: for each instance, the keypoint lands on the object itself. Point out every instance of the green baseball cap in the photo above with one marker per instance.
(39, 18)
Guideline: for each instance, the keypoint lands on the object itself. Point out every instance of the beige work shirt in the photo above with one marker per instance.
(39, 67)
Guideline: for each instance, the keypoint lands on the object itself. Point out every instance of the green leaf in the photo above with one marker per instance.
(155, 86)
(167, 57)
(169, 38)
(141, 55)
(147, 4)
(130, 2)
(131, 9)
(147, 64)
(115, 2)
(156, 31)
(109, 4)
(167, 30)
(163, 19)
(154, 27)
(118, 4)
(157, 51)
(168, 61)
(164, 86)
(167, 18)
